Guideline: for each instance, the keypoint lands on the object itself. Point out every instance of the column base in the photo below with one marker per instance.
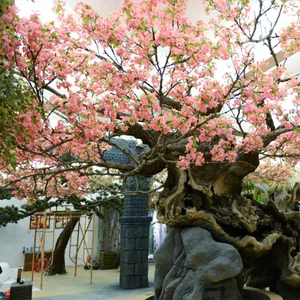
(134, 282)
(134, 252)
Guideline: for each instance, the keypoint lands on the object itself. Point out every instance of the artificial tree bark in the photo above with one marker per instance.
(115, 232)
(108, 235)
(101, 231)
(58, 264)
(108, 228)
(288, 197)
(210, 197)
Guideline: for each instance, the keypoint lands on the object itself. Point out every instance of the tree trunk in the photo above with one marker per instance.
(108, 233)
(105, 230)
(101, 231)
(115, 234)
(58, 263)
(210, 197)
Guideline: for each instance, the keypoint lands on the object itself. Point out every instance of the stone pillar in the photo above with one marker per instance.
(135, 234)
(134, 221)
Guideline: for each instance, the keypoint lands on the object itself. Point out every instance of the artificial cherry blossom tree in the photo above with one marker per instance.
(199, 95)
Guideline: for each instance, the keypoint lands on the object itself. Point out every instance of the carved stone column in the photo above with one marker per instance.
(135, 233)
(134, 222)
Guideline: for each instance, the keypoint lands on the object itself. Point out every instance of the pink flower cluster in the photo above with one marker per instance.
(145, 64)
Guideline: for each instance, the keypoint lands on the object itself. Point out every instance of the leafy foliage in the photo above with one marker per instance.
(14, 98)
(4, 5)
(108, 197)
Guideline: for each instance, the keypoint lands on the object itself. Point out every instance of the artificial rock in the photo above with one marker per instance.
(190, 264)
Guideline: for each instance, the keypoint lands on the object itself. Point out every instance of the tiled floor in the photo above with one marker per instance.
(105, 286)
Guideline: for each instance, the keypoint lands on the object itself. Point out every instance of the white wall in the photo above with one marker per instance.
(14, 237)
(159, 231)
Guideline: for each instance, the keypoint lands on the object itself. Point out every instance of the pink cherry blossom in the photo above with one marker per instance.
(147, 66)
